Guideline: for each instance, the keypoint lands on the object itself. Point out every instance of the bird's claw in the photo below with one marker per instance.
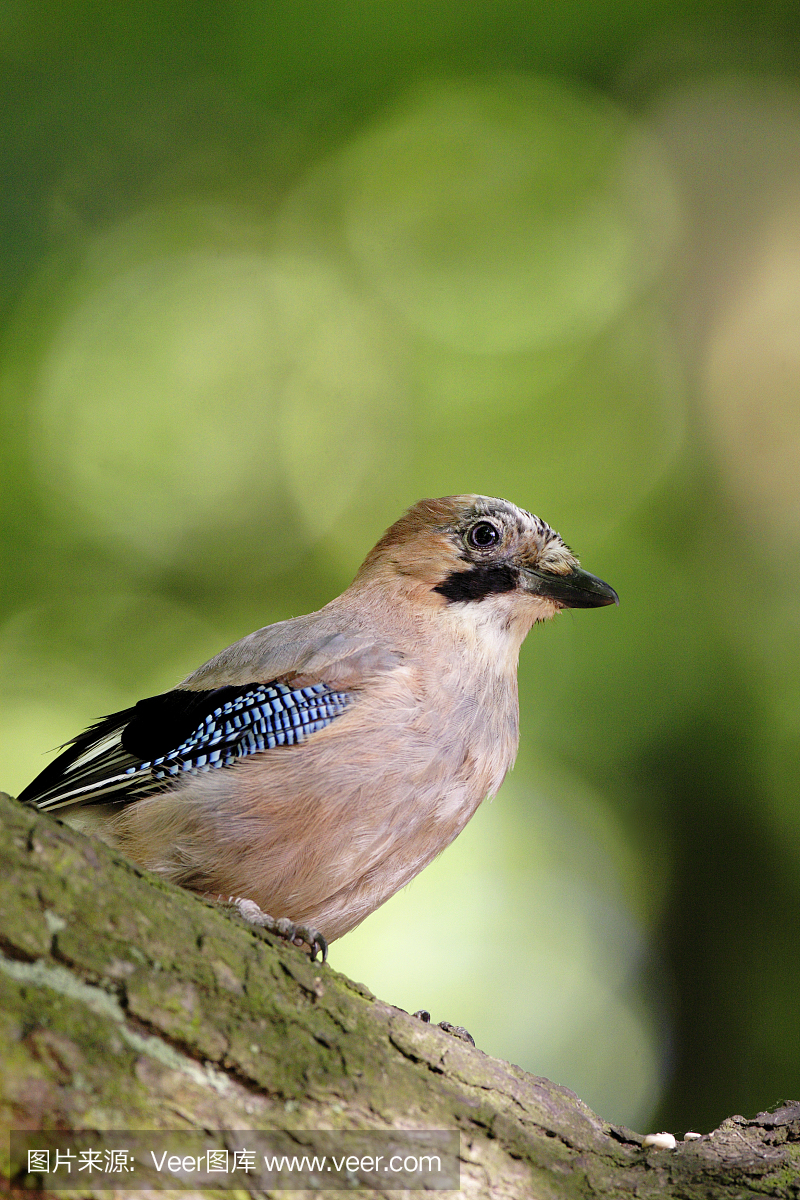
(300, 934)
(458, 1031)
(282, 926)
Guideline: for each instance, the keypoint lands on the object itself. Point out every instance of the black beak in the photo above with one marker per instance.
(579, 589)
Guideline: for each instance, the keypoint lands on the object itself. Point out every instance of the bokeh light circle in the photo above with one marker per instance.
(509, 213)
(179, 392)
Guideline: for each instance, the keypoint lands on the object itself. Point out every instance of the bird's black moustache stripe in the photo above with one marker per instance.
(486, 579)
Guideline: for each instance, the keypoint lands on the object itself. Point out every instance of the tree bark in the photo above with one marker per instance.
(131, 1004)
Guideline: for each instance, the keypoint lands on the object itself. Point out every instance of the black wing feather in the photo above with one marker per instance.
(145, 748)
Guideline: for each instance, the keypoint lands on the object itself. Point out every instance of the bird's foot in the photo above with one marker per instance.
(298, 935)
(456, 1030)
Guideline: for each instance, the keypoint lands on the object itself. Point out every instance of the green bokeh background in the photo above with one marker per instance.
(269, 274)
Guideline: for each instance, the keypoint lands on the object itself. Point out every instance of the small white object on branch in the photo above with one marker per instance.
(660, 1141)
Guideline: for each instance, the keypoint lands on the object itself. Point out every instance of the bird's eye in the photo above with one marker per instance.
(483, 535)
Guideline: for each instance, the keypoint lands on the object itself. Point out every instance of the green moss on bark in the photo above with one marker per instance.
(128, 1003)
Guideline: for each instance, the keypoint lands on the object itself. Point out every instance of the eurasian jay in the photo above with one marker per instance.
(313, 768)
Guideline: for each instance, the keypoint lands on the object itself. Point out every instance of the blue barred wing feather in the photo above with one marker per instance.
(162, 739)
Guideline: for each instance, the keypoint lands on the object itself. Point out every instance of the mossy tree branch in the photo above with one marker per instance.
(130, 1004)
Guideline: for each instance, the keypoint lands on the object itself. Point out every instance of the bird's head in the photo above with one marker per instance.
(484, 557)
